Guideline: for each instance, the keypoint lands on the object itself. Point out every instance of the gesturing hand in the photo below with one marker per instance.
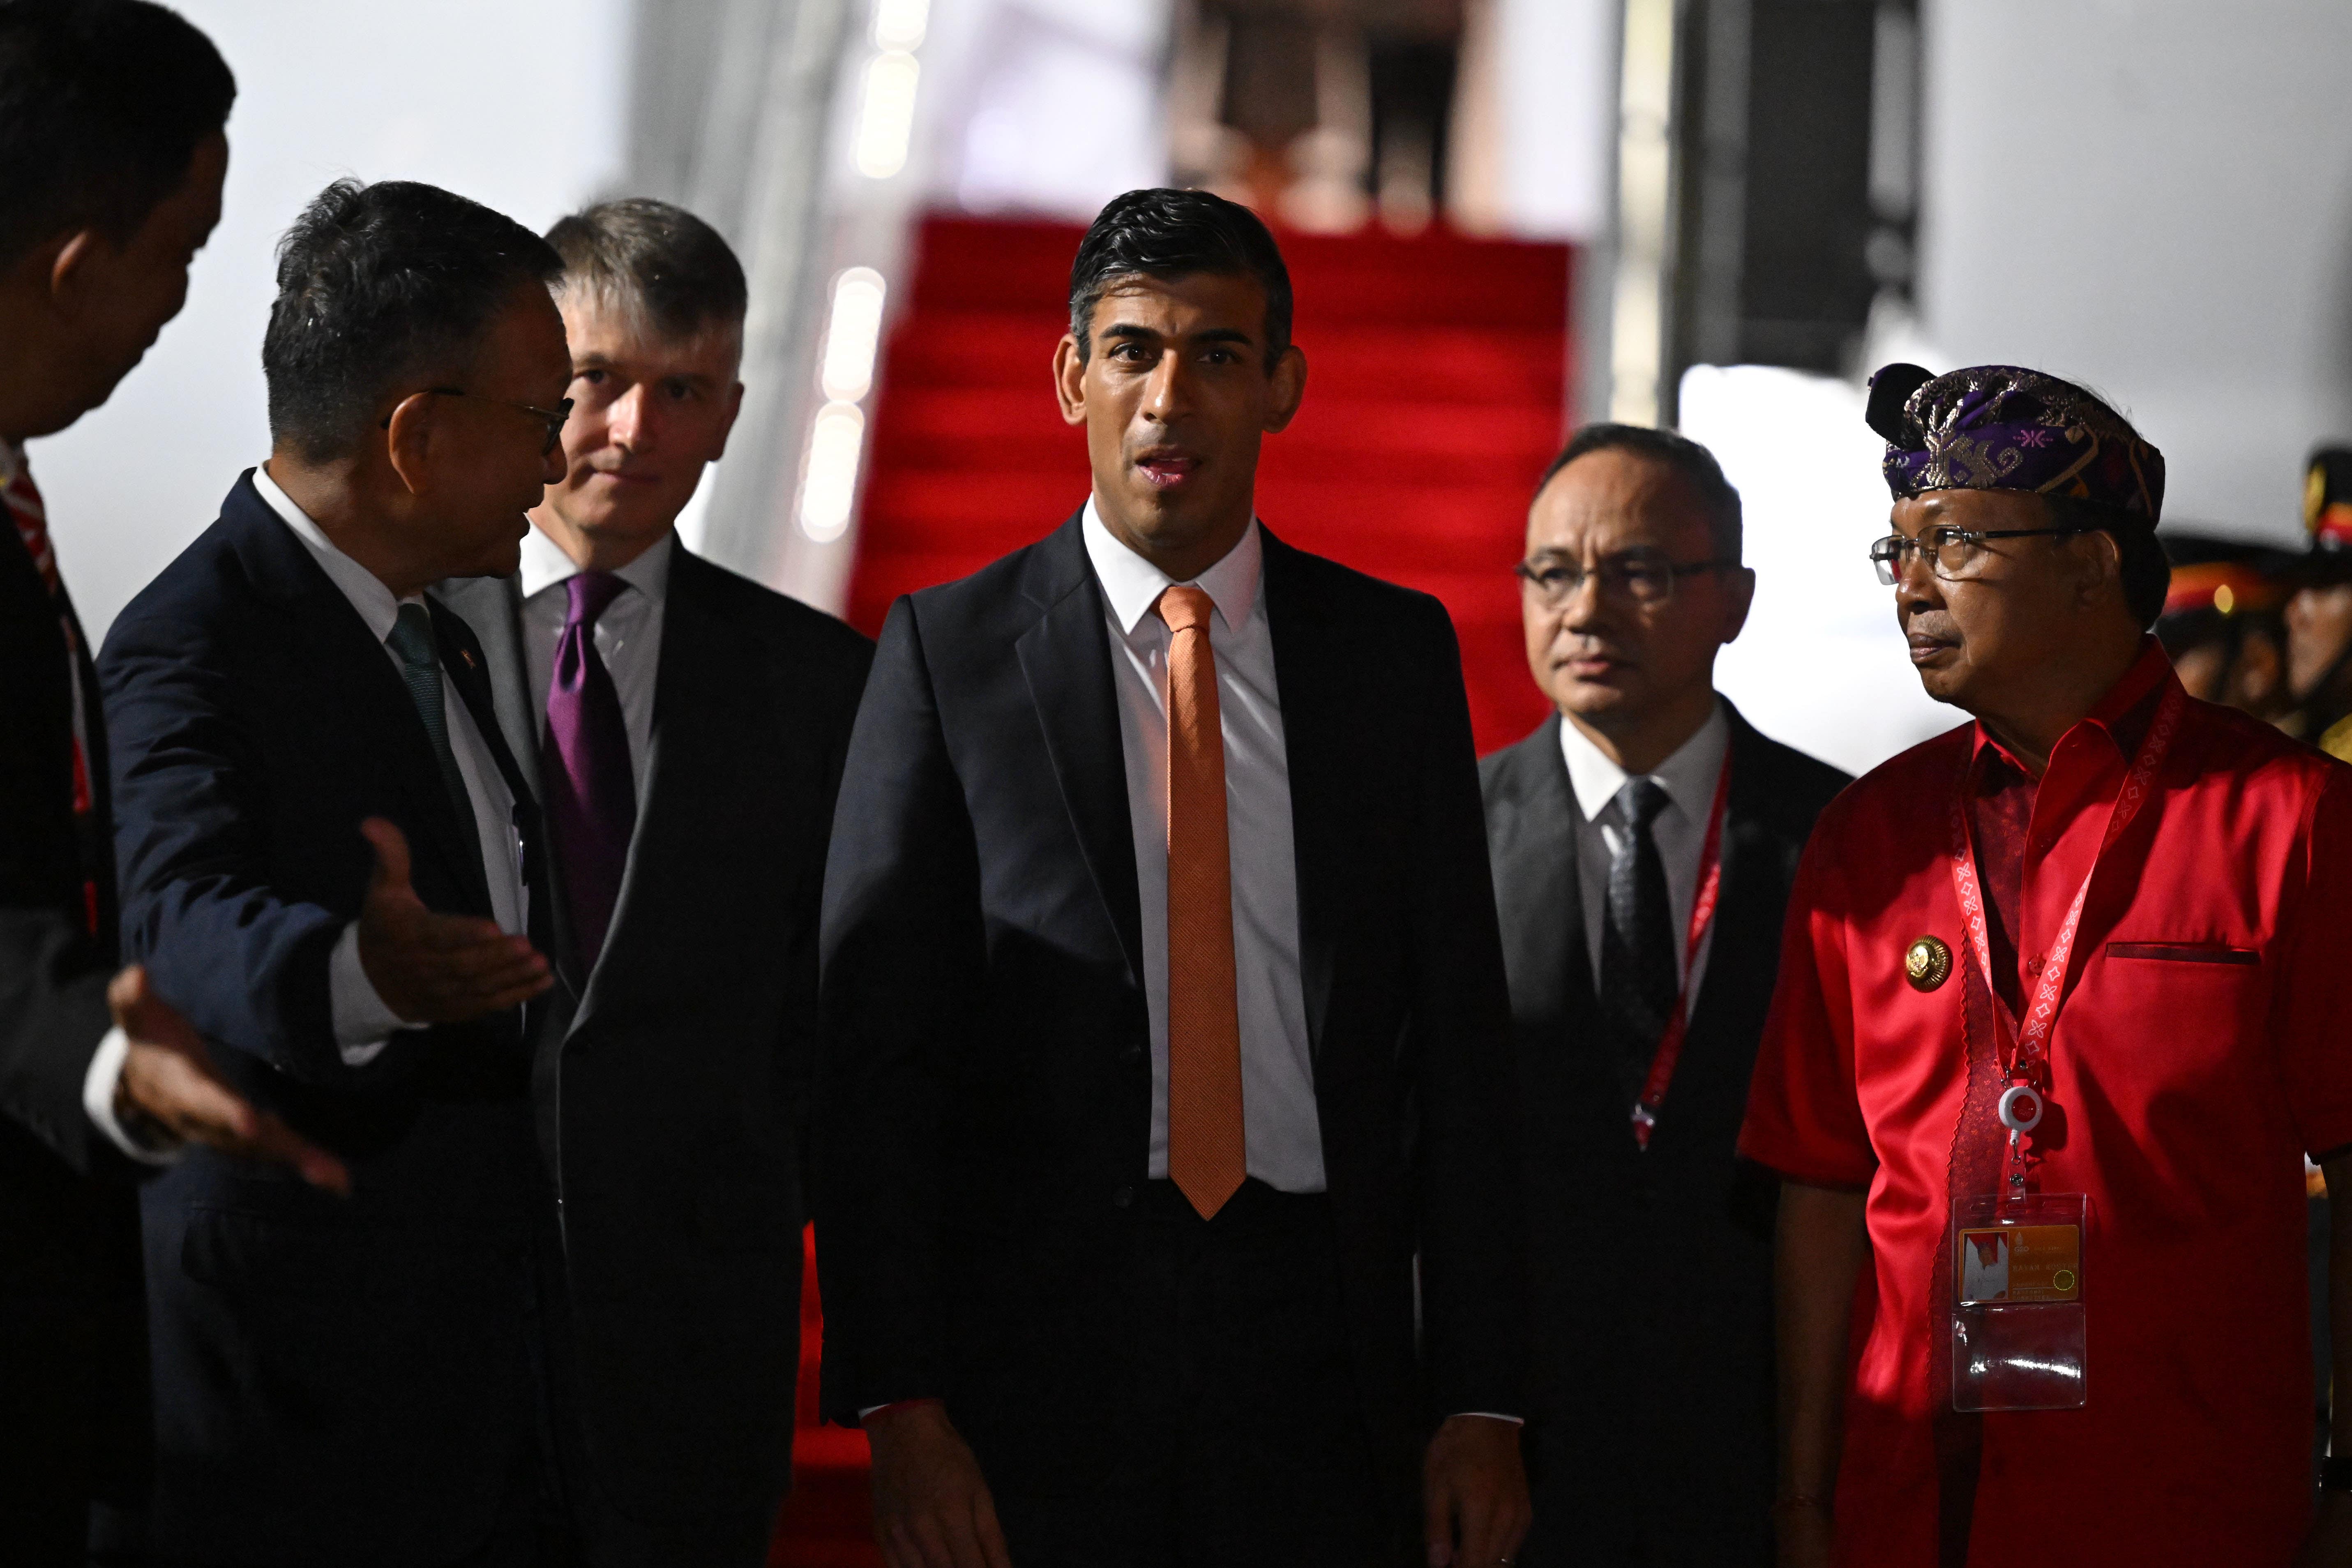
(1474, 1487)
(931, 1507)
(437, 969)
(168, 1078)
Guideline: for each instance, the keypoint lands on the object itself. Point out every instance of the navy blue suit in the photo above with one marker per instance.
(346, 1381)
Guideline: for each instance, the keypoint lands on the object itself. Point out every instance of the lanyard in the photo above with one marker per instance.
(1670, 1044)
(2028, 1068)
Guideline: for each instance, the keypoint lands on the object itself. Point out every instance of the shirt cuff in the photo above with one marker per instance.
(363, 1024)
(97, 1089)
(1494, 1415)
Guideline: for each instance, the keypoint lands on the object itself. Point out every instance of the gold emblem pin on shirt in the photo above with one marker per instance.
(1927, 964)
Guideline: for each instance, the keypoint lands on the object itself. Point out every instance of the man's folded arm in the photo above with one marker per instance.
(1472, 1271)
(901, 989)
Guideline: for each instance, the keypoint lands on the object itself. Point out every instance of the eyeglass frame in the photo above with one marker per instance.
(1890, 566)
(1673, 572)
(554, 418)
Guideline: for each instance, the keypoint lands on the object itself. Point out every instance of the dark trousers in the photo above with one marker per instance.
(1240, 1437)
(1628, 1486)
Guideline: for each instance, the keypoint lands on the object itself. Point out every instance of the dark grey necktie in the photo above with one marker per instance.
(1639, 977)
(413, 641)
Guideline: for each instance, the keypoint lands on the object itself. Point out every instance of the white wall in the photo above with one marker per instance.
(516, 103)
(2154, 196)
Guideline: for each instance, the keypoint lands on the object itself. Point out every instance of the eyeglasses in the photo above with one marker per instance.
(552, 417)
(1643, 579)
(1955, 555)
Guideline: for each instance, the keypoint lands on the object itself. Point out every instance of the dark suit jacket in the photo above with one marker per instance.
(674, 1095)
(987, 1086)
(68, 1221)
(1650, 1272)
(335, 1378)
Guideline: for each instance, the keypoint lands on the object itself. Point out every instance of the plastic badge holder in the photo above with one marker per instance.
(2017, 1302)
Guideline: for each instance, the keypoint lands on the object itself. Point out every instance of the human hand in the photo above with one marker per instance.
(2328, 1543)
(168, 1078)
(1804, 1527)
(431, 968)
(1474, 1493)
(931, 1507)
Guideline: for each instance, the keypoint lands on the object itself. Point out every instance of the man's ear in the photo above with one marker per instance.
(1739, 597)
(408, 440)
(726, 426)
(2104, 561)
(1070, 381)
(1289, 388)
(69, 267)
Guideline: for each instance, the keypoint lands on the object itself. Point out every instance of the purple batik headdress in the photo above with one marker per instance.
(2003, 427)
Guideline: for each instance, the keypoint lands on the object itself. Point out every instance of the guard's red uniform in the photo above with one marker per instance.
(2204, 1045)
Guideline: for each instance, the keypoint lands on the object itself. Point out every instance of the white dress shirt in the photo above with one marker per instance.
(1689, 778)
(628, 636)
(363, 1024)
(1284, 1140)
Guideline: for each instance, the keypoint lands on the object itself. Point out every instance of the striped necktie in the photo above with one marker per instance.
(32, 520)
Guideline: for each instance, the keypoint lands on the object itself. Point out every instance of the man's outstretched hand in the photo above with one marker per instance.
(437, 969)
(168, 1078)
(1474, 1506)
(931, 1507)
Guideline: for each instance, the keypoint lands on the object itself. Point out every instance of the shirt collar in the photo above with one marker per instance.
(1131, 585)
(1688, 777)
(2123, 715)
(363, 588)
(545, 566)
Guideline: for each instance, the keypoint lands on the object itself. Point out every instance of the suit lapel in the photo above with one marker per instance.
(1539, 891)
(1749, 878)
(1065, 660)
(1323, 742)
(354, 667)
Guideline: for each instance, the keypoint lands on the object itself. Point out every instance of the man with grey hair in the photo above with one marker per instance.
(685, 729)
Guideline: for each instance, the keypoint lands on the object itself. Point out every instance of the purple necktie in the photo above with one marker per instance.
(591, 797)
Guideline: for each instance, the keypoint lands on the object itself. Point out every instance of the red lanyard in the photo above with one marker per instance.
(2029, 1059)
(1670, 1044)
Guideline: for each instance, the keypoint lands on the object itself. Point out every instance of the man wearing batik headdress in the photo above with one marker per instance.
(2222, 625)
(2319, 616)
(2069, 979)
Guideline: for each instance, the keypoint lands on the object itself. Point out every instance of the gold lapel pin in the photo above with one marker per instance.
(1927, 964)
(468, 655)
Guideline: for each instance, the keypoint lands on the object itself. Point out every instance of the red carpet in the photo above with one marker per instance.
(1434, 398)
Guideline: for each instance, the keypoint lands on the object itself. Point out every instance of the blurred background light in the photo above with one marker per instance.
(887, 123)
(829, 485)
(853, 331)
(900, 23)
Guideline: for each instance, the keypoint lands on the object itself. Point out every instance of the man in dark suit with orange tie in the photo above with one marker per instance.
(111, 160)
(1168, 1212)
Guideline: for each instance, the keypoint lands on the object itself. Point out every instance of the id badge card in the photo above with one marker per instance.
(2017, 1302)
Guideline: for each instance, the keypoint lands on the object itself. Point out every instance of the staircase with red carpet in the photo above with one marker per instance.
(1435, 394)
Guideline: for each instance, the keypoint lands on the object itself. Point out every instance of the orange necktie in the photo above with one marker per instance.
(1207, 1155)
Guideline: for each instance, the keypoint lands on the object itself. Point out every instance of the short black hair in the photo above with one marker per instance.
(1163, 233)
(2147, 574)
(102, 106)
(650, 257)
(380, 287)
(1693, 463)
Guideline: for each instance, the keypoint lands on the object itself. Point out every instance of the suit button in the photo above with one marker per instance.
(1134, 1054)
(1124, 1197)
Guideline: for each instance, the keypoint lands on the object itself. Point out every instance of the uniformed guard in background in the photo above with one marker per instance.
(2319, 614)
(2224, 624)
